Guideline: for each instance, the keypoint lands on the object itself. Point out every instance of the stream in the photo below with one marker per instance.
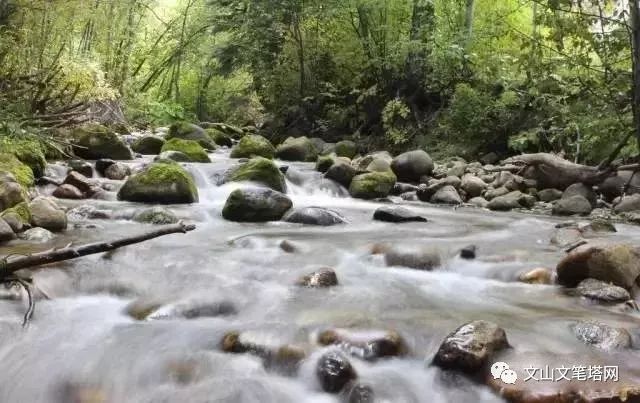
(83, 346)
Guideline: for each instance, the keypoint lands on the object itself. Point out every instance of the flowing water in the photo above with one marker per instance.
(83, 345)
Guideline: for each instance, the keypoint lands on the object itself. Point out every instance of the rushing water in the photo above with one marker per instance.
(83, 345)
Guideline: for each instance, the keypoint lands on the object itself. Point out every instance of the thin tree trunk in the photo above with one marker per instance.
(635, 53)
(468, 20)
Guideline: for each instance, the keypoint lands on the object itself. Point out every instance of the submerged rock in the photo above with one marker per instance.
(471, 347)
(253, 145)
(468, 252)
(603, 292)
(540, 275)
(322, 278)
(616, 264)
(256, 205)
(396, 215)
(314, 216)
(160, 183)
(420, 260)
(369, 345)
(601, 336)
(334, 371)
(412, 165)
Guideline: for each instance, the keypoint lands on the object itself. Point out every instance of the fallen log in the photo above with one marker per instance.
(11, 264)
(551, 171)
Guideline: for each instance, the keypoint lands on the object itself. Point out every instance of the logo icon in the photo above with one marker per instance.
(501, 370)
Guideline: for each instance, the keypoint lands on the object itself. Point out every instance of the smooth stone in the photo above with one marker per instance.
(601, 291)
(396, 215)
(602, 336)
(314, 216)
(322, 278)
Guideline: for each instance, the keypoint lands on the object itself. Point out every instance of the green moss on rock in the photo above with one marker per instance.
(190, 148)
(29, 152)
(372, 185)
(189, 131)
(324, 162)
(220, 138)
(346, 148)
(260, 170)
(297, 149)
(20, 210)
(97, 141)
(253, 145)
(20, 171)
(160, 183)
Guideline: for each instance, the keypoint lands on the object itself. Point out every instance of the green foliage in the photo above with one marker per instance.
(395, 121)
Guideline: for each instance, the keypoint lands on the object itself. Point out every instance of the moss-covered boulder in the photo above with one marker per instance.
(160, 183)
(346, 148)
(324, 162)
(172, 156)
(18, 217)
(96, 141)
(149, 145)
(21, 172)
(188, 131)
(297, 149)
(29, 152)
(259, 170)
(372, 185)
(220, 138)
(256, 205)
(190, 148)
(253, 145)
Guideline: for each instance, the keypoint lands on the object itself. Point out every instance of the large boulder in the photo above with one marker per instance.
(314, 216)
(67, 191)
(150, 145)
(575, 204)
(602, 292)
(615, 264)
(346, 148)
(220, 138)
(297, 149)
(190, 148)
(472, 185)
(446, 195)
(18, 217)
(583, 190)
(412, 165)
(372, 185)
(253, 145)
(341, 172)
(324, 162)
(160, 183)
(188, 131)
(612, 187)
(96, 141)
(29, 152)
(256, 205)
(260, 170)
(377, 160)
(396, 215)
(471, 347)
(15, 171)
(46, 214)
(628, 204)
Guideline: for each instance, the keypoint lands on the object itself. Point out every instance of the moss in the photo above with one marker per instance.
(20, 210)
(346, 148)
(297, 149)
(188, 131)
(220, 138)
(96, 141)
(253, 146)
(324, 162)
(190, 148)
(260, 170)
(372, 185)
(22, 172)
(160, 183)
(30, 152)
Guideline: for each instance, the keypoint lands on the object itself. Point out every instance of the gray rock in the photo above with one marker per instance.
(628, 204)
(581, 190)
(6, 232)
(493, 193)
(341, 172)
(396, 215)
(473, 185)
(512, 200)
(602, 336)
(83, 167)
(102, 165)
(297, 149)
(575, 204)
(11, 193)
(410, 166)
(471, 347)
(117, 171)
(67, 191)
(176, 156)
(420, 260)
(549, 195)
(39, 235)
(156, 216)
(479, 202)
(256, 205)
(446, 195)
(150, 145)
(601, 291)
(46, 214)
(79, 181)
(314, 216)
(322, 278)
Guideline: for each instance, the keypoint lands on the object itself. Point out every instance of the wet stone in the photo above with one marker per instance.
(396, 215)
(603, 292)
(602, 336)
(334, 371)
(320, 279)
(468, 252)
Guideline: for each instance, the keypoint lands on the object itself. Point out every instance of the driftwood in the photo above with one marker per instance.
(551, 171)
(9, 265)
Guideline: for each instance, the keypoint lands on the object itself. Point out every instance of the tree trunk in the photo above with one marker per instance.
(468, 20)
(635, 53)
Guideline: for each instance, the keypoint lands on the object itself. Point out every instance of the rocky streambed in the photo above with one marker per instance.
(327, 298)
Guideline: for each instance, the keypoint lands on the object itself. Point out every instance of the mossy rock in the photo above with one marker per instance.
(20, 171)
(190, 148)
(324, 162)
(20, 211)
(149, 145)
(160, 183)
(189, 131)
(259, 170)
(172, 156)
(256, 205)
(297, 149)
(372, 185)
(253, 145)
(220, 138)
(29, 152)
(346, 148)
(95, 141)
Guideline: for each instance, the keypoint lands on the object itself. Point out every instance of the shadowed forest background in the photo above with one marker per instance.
(459, 77)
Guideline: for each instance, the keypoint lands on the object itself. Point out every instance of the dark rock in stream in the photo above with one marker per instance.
(284, 359)
(117, 171)
(600, 291)
(575, 204)
(6, 232)
(314, 216)
(410, 166)
(82, 167)
(256, 205)
(79, 181)
(102, 165)
(471, 347)
(468, 252)
(67, 191)
(601, 336)
(396, 215)
(320, 279)
(334, 371)
(360, 393)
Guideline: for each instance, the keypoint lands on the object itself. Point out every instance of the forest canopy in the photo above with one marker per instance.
(459, 77)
